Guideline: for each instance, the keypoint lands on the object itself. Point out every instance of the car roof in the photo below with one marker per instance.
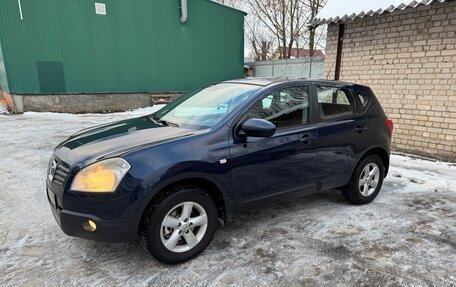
(266, 81)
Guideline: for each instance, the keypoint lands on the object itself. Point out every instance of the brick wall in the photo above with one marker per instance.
(408, 58)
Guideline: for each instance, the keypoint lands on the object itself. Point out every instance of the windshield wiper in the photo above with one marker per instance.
(162, 122)
(169, 124)
(152, 119)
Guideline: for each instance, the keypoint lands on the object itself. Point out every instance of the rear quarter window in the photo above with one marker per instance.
(364, 101)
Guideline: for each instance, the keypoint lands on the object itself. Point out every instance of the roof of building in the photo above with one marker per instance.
(339, 11)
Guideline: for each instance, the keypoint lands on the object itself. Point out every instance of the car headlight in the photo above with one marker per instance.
(102, 176)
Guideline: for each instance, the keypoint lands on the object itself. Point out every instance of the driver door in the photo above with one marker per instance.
(281, 166)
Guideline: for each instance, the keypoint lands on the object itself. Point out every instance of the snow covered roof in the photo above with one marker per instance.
(337, 10)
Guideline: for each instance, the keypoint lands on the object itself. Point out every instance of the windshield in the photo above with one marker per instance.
(205, 108)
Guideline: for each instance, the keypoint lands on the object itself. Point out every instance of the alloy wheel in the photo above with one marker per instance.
(183, 227)
(368, 179)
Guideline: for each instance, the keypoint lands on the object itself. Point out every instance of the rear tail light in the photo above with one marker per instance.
(389, 124)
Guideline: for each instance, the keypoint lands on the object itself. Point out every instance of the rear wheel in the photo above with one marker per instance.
(179, 226)
(366, 181)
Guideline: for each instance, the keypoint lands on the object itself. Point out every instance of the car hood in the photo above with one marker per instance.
(115, 139)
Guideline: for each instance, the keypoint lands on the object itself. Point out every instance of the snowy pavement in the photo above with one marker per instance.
(406, 237)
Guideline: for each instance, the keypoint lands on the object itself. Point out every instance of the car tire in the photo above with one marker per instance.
(171, 233)
(366, 181)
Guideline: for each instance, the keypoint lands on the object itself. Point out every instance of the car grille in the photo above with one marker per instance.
(61, 172)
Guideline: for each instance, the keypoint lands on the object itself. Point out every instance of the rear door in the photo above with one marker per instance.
(282, 165)
(337, 135)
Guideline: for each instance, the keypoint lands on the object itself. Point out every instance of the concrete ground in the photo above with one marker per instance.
(406, 237)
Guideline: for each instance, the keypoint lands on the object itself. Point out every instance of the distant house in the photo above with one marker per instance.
(303, 53)
(406, 52)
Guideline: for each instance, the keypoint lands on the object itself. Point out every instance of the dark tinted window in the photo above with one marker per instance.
(334, 102)
(285, 108)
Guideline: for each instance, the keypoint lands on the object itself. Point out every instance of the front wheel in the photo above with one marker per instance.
(366, 181)
(179, 226)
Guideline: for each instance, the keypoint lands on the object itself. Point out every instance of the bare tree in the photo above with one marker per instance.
(274, 27)
(314, 7)
(260, 42)
(282, 19)
(286, 20)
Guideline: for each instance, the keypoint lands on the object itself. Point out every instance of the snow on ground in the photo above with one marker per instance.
(407, 236)
(3, 109)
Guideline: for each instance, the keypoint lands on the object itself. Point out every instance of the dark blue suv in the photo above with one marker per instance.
(169, 178)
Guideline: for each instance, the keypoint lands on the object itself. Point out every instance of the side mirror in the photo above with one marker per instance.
(258, 128)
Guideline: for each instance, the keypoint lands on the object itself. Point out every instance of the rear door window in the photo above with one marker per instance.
(334, 103)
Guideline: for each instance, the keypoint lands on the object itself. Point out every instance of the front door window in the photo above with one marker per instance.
(285, 108)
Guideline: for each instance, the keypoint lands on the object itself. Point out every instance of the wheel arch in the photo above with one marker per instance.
(211, 185)
(377, 150)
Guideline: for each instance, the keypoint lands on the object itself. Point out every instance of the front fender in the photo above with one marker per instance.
(169, 180)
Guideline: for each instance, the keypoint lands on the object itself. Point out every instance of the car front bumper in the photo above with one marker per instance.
(72, 223)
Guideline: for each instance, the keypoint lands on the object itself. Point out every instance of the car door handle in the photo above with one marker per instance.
(307, 139)
(360, 129)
